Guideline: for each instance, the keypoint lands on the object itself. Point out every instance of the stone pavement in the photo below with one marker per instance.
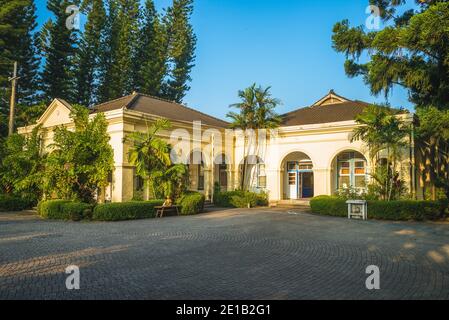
(229, 254)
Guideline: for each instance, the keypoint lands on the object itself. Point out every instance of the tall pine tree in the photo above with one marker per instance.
(89, 52)
(28, 64)
(58, 45)
(182, 44)
(151, 57)
(17, 43)
(108, 45)
(121, 80)
(146, 52)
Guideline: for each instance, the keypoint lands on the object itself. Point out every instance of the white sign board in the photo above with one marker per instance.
(357, 209)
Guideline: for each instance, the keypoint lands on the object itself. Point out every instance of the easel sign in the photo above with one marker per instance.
(357, 209)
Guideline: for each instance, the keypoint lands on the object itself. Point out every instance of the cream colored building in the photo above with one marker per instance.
(310, 154)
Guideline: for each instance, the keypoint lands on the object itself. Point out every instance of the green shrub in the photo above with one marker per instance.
(331, 206)
(246, 200)
(12, 203)
(139, 195)
(52, 209)
(405, 210)
(240, 199)
(191, 203)
(400, 210)
(262, 199)
(64, 210)
(223, 199)
(126, 210)
(77, 211)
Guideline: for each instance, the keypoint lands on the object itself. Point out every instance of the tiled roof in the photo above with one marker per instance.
(159, 107)
(331, 108)
(328, 113)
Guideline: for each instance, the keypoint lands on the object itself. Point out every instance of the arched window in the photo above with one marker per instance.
(201, 175)
(196, 170)
(255, 173)
(351, 170)
(222, 171)
(261, 176)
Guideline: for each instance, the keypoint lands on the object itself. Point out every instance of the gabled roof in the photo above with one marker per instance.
(51, 107)
(330, 98)
(159, 107)
(330, 108)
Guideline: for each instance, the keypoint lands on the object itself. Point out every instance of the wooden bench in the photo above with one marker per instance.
(160, 210)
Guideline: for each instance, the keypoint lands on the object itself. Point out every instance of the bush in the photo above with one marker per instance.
(64, 210)
(126, 210)
(52, 209)
(331, 206)
(405, 210)
(246, 200)
(351, 193)
(77, 211)
(240, 199)
(12, 203)
(223, 199)
(262, 199)
(400, 210)
(191, 203)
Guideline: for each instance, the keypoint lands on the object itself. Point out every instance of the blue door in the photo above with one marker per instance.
(299, 180)
(306, 184)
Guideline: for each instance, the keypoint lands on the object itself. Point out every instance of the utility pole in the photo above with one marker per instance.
(12, 104)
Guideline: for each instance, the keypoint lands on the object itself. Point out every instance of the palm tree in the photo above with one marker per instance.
(256, 111)
(149, 153)
(171, 180)
(381, 129)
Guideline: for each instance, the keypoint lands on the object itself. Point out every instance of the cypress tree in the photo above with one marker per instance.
(122, 72)
(17, 43)
(182, 44)
(108, 46)
(151, 59)
(58, 44)
(89, 52)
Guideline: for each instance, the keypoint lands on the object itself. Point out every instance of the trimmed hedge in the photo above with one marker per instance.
(77, 211)
(126, 210)
(330, 206)
(12, 203)
(406, 210)
(240, 199)
(401, 210)
(191, 203)
(64, 210)
(52, 209)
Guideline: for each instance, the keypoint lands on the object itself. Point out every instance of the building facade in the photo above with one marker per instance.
(310, 154)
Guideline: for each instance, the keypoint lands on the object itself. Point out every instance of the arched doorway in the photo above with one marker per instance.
(252, 174)
(221, 171)
(297, 176)
(196, 167)
(349, 171)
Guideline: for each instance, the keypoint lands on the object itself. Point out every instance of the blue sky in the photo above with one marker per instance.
(285, 44)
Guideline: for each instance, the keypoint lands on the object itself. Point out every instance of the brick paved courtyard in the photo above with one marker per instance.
(233, 254)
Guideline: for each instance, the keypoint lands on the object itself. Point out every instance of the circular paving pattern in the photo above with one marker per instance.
(233, 254)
